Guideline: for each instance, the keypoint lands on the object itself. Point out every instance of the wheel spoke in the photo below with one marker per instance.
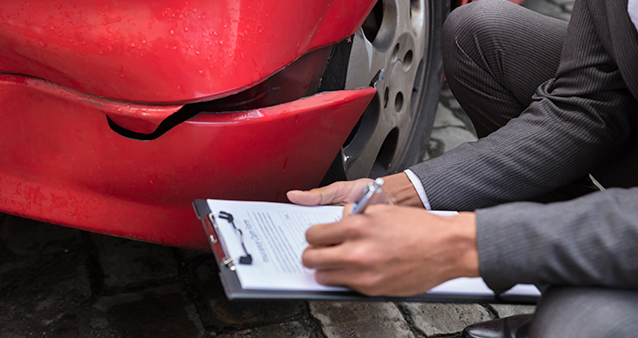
(399, 47)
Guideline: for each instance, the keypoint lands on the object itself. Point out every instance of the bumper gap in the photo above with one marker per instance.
(300, 79)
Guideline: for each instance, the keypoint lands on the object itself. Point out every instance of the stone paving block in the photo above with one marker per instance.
(563, 2)
(448, 100)
(223, 314)
(41, 295)
(25, 237)
(189, 256)
(439, 319)
(360, 319)
(445, 118)
(547, 8)
(153, 312)
(451, 137)
(292, 330)
(127, 262)
(569, 7)
(506, 310)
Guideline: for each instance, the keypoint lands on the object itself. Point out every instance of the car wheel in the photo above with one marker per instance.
(403, 39)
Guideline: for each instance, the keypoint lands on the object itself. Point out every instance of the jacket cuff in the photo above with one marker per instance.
(505, 247)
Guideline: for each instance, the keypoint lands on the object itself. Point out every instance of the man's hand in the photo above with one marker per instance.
(391, 250)
(397, 189)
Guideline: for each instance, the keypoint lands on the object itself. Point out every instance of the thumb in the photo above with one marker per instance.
(308, 197)
(338, 192)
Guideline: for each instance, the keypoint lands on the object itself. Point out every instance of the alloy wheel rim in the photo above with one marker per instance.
(399, 46)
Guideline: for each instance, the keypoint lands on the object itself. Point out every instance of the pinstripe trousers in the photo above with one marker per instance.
(494, 71)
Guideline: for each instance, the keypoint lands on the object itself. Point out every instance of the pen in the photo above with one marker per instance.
(368, 192)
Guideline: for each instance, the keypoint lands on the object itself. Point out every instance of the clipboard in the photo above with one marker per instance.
(234, 290)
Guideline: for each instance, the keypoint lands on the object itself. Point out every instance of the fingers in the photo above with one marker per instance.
(366, 283)
(323, 257)
(335, 233)
(338, 192)
(339, 265)
(326, 234)
(340, 254)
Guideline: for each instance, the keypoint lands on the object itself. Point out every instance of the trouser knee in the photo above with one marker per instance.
(467, 23)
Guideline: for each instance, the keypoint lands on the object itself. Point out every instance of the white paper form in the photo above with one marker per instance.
(274, 234)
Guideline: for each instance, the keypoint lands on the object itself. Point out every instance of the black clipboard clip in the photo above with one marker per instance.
(226, 259)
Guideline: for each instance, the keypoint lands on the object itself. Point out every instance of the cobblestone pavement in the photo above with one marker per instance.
(60, 282)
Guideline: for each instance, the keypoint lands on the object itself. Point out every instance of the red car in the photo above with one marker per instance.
(117, 115)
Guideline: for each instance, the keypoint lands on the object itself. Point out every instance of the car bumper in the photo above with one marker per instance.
(61, 163)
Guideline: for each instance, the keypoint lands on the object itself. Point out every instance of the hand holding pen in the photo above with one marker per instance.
(372, 188)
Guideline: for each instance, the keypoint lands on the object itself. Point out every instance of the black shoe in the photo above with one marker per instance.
(510, 327)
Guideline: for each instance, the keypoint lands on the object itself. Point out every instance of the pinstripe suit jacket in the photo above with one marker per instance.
(585, 120)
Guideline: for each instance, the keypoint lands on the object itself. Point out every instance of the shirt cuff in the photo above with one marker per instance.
(416, 182)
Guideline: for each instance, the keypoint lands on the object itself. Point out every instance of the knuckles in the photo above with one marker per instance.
(356, 226)
(363, 257)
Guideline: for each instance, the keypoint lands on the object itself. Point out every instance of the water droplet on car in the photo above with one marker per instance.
(42, 43)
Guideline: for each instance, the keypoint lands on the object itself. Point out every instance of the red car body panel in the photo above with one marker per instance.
(167, 51)
(65, 66)
(61, 163)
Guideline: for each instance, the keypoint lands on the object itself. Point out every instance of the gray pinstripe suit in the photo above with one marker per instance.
(551, 103)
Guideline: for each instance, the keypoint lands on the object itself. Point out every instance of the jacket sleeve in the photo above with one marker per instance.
(576, 122)
(589, 241)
